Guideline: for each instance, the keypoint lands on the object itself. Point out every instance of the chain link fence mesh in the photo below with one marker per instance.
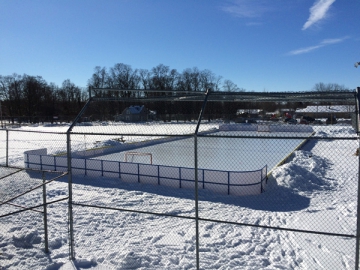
(175, 193)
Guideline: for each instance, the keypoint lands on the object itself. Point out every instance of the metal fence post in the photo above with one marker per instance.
(203, 178)
(138, 169)
(45, 215)
(158, 174)
(102, 168)
(196, 178)
(196, 204)
(357, 246)
(228, 178)
(357, 113)
(119, 169)
(69, 168)
(71, 219)
(7, 148)
(261, 182)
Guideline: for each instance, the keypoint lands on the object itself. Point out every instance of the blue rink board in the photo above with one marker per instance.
(215, 153)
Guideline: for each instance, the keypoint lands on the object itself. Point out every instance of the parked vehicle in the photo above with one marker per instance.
(292, 121)
(317, 122)
(304, 121)
(251, 121)
(240, 120)
(308, 118)
(331, 120)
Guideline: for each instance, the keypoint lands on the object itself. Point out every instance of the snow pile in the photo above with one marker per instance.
(305, 173)
(25, 238)
(78, 264)
(338, 131)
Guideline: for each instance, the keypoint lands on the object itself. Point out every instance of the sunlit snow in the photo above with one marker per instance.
(316, 190)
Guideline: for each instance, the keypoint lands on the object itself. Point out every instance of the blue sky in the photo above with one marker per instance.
(261, 45)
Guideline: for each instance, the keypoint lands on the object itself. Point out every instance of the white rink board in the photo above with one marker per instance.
(222, 182)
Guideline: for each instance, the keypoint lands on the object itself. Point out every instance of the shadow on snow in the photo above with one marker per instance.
(275, 199)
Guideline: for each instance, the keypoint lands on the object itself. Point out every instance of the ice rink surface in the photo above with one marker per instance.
(219, 153)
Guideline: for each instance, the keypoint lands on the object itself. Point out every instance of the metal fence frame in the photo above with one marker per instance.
(205, 96)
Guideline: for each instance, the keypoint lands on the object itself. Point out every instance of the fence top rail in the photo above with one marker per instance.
(189, 135)
(148, 90)
(33, 131)
(220, 96)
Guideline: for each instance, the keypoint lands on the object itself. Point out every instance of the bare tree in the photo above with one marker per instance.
(122, 76)
(322, 87)
(185, 81)
(145, 78)
(192, 80)
(229, 86)
(210, 80)
(35, 91)
(160, 76)
(99, 79)
(11, 88)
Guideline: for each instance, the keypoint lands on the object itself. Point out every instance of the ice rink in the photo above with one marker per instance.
(218, 153)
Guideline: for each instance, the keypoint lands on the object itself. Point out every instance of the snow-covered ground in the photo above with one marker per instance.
(315, 191)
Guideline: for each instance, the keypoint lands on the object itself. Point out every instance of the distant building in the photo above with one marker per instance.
(133, 114)
(248, 112)
(286, 112)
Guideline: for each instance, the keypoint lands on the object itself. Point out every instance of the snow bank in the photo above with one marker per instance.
(306, 172)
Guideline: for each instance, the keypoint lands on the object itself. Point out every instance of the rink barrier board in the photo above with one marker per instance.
(238, 183)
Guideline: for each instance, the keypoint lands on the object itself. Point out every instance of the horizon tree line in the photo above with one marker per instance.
(32, 99)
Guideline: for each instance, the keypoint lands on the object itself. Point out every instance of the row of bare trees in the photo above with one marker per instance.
(161, 77)
(32, 99)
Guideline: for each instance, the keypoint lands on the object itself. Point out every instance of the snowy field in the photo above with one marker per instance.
(315, 191)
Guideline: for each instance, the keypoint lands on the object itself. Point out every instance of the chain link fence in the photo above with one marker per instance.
(227, 191)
